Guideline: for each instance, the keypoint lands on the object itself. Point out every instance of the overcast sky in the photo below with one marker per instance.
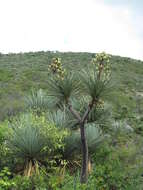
(114, 26)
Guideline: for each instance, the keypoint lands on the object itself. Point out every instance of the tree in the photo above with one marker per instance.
(90, 82)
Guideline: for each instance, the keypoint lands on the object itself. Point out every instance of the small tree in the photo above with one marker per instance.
(90, 82)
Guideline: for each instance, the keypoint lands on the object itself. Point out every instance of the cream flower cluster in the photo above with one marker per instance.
(102, 64)
(57, 68)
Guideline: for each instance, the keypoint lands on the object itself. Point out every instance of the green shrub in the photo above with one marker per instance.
(5, 182)
(3, 131)
(37, 182)
(33, 140)
(18, 182)
(111, 171)
(3, 149)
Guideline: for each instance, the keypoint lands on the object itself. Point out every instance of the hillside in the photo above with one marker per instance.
(19, 73)
(59, 142)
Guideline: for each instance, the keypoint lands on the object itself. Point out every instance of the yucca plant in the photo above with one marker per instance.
(94, 136)
(34, 140)
(100, 114)
(91, 82)
(60, 118)
(39, 102)
(27, 142)
(70, 155)
(63, 88)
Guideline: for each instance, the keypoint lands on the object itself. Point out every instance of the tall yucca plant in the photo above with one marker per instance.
(27, 143)
(90, 82)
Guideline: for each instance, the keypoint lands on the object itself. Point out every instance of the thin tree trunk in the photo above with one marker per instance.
(84, 167)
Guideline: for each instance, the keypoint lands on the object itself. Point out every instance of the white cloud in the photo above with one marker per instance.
(67, 25)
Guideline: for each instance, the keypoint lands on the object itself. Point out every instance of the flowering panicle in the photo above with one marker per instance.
(57, 68)
(102, 65)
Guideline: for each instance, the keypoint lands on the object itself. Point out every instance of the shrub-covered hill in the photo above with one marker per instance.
(19, 73)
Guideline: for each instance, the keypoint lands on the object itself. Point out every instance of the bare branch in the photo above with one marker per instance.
(90, 106)
(74, 112)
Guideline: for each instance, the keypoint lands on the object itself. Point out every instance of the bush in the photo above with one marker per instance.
(3, 150)
(111, 172)
(18, 182)
(32, 139)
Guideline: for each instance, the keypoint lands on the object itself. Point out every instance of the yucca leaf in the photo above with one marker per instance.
(64, 89)
(60, 119)
(94, 137)
(38, 100)
(92, 85)
(26, 140)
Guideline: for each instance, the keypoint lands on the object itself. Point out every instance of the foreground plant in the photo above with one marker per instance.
(26, 142)
(90, 82)
(32, 139)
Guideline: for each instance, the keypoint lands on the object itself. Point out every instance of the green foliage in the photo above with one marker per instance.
(25, 138)
(73, 142)
(137, 122)
(5, 75)
(19, 182)
(39, 139)
(64, 88)
(26, 142)
(3, 150)
(102, 116)
(59, 118)
(94, 135)
(96, 77)
(37, 101)
(32, 139)
(111, 172)
(92, 85)
(5, 182)
(23, 71)
(3, 130)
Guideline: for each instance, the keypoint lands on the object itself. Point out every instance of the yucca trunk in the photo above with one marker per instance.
(84, 167)
(89, 165)
(31, 167)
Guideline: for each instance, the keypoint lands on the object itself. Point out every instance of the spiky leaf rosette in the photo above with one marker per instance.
(39, 101)
(27, 143)
(60, 119)
(96, 77)
(26, 140)
(94, 136)
(63, 89)
(32, 139)
(92, 85)
(73, 142)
